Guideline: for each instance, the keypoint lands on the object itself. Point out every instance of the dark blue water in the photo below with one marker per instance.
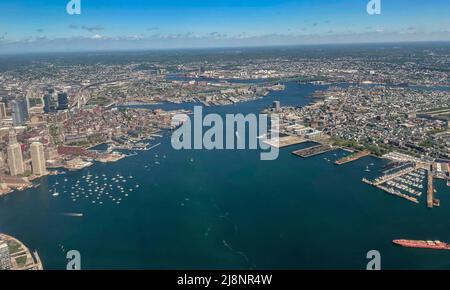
(227, 210)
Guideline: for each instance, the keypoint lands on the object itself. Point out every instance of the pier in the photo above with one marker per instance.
(405, 183)
(352, 157)
(285, 141)
(386, 178)
(431, 200)
(430, 190)
(313, 151)
(391, 191)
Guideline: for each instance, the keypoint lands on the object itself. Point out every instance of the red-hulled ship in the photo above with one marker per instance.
(436, 245)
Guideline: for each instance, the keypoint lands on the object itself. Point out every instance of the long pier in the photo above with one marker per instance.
(352, 157)
(313, 151)
(430, 190)
(431, 200)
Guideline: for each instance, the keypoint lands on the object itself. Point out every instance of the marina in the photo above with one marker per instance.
(408, 183)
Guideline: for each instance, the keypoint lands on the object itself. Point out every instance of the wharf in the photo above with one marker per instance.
(431, 200)
(391, 191)
(313, 151)
(285, 141)
(352, 157)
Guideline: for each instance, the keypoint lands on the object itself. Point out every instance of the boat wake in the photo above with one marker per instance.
(239, 253)
(72, 214)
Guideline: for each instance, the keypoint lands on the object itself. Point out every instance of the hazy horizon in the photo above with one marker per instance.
(228, 48)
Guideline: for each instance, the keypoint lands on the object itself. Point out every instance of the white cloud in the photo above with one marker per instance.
(97, 36)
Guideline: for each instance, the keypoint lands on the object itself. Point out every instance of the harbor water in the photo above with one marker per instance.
(168, 209)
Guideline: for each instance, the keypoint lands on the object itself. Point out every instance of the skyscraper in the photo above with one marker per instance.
(50, 104)
(276, 106)
(15, 159)
(5, 256)
(38, 159)
(2, 110)
(63, 101)
(19, 112)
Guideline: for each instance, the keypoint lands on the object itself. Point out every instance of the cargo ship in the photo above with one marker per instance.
(436, 245)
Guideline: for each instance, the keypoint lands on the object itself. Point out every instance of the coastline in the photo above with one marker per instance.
(21, 252)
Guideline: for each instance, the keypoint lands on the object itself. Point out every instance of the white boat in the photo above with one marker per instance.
(55, 193)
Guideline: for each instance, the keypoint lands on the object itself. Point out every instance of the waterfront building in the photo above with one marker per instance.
(5, 256)
(15, 158)
(38, 159)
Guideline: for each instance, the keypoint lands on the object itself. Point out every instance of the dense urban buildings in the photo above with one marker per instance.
(365, 102)
(5, 257)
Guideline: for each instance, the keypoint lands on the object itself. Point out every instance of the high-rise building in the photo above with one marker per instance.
(38, 159)
(19, 112)
(276, 106)
(63, 101)
(5, 256)
(2, 111)
(50, 104)
(15, 158)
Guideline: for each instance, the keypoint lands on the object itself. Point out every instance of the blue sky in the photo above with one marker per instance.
(34, 25)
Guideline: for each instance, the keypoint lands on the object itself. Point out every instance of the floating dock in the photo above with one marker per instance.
(386, 178)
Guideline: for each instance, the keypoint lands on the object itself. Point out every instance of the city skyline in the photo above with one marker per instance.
(27, 26)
